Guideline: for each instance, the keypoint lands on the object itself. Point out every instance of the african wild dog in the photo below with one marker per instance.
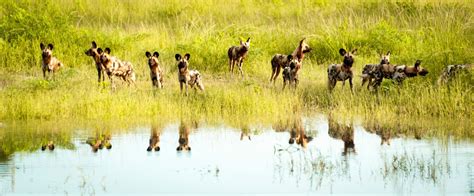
(187, 77)
(369, 69)
(92, 52)
(245, 133)
(450, 72)
(291, 72)
(341, 72)
(183, 140)
(114, 67)
(280, 61)
(49, 63)
(398, 73)
(237, 55)
(49, 145)
(154, 142)
(156, 73)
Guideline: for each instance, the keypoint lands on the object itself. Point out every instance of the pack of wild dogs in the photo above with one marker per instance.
(290, 66)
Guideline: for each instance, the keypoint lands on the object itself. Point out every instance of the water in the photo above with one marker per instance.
(221, 161)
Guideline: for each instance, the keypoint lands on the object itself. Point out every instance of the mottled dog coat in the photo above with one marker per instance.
(237, 55)
(341, 72)
(49, 63)
(156, 73)
(370, 69)
(115, 67)
(450, 72)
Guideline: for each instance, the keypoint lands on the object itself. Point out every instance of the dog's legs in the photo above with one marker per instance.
(186, 86)
(240, 67)
(44, 74)
(181, 86)
(350, 83)
(98, 74)
(276, 74)
(230, 66)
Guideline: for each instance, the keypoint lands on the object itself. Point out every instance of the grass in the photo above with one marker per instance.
(437, 32)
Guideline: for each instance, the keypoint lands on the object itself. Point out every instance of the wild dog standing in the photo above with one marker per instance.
(114, 67)
(187, 77)
(183, 140)
(369, 69)
(49, 63)
(156, 73)
(154, 142)
(291, 72)
(237, 55)
(450, 72)
(92, 52)
(280, 61)
(341, 72)
(398, 73)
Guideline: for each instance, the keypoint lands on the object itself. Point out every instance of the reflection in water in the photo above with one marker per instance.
(224, 164)
(101, 140)
(342, 131)
(49, 145)
(154, 142)
(183, 141)
(297, 132)
(385, 132)
(245, 133)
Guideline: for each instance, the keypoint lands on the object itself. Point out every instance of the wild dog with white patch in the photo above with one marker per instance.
(370, 69)
(115, 67)
(49, 63)
(450, 72)
(341, 72)
(187, 77)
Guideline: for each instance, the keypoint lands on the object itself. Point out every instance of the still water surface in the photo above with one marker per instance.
(224, 160)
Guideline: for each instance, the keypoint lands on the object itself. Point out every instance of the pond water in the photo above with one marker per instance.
(324, 158)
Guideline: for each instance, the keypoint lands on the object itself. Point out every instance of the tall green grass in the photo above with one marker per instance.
(437, 32)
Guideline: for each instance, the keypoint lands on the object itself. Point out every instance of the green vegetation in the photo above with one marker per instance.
(437, 32)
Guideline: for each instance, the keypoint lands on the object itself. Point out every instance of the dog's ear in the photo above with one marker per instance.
(248, 40)
(417, 63)
(301, 42)
(289, 57)
(187, 56)
(99, 50)
(179, 148)
(147, 54)
(354, 51)
(50, 46)
(148, 149)
(177, 57)
(107, 50)
(94, 45)
(42, 46)
(388, 53)
(156, 54)
(342, 51)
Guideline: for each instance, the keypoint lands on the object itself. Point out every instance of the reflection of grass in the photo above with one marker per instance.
(413, 167)
(420, 30)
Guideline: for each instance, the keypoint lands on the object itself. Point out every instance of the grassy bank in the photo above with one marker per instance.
(437, 32)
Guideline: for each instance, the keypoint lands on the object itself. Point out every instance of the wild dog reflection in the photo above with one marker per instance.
(344, 132)
(154, 142)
